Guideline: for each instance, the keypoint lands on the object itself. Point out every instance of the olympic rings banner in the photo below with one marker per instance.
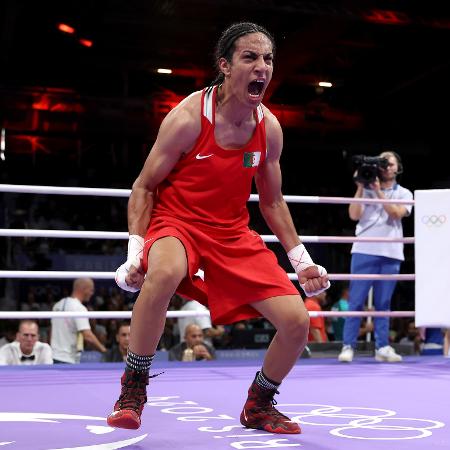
(432, 256)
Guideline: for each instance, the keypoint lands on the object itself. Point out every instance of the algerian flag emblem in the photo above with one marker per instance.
(251, 159)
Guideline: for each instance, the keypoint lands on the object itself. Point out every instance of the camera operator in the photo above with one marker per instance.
(376, 220)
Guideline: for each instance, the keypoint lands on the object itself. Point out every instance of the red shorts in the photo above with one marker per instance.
(239, 268)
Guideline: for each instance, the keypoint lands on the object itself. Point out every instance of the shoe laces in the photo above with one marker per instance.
(271, 411)
(263, 398)
(134, 390)
(272, 397)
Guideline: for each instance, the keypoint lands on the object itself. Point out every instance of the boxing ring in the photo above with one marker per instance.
(196, 405)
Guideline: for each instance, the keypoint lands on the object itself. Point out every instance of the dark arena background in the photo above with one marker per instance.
(84, 86)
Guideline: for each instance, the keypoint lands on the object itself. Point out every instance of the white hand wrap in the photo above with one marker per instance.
(134, 258)
(300, 260)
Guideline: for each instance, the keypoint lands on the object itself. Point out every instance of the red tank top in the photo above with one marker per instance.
(210, 186)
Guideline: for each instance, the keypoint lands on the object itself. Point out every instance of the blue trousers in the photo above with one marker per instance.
(382, 295)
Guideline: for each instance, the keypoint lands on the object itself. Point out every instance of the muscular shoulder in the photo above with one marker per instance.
(185, 119)
(274, 134)
(190, 106)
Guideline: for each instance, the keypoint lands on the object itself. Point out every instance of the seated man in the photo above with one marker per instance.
(118, 352)
(210, 332)
(26, 349)
(193, 348)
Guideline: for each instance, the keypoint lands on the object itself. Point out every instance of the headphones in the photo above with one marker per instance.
(399, 161)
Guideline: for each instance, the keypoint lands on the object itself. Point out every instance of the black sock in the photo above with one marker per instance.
(264, 382)
(140, 363)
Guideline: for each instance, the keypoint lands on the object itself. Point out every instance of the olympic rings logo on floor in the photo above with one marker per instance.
(355, 422)
(434, 220)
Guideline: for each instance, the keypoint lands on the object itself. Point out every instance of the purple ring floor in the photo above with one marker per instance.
(196, 406)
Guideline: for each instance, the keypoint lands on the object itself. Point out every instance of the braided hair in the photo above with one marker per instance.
(226, 44)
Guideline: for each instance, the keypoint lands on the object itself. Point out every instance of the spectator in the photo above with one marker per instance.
(317, 331)
(376, 220)
(8, 334)
(68, 334)
(118, 352)
(31, 304)
(26, 349)
(338, 322)
(412, 337)
(210, 332)
(193, 348)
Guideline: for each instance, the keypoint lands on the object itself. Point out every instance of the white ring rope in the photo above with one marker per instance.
(178, 314)
(66, 274)
(23, 232)
(56, 274)
(60, 190)
(336, 200)
(105, 192)
(89, 314)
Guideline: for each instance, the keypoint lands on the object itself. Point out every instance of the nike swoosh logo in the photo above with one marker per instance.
(203, 157)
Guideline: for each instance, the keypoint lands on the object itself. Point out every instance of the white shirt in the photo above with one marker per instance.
(376, 222)
(10, 354)
(203, 322)
(66, 342)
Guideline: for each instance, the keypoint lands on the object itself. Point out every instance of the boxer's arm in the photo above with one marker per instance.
(268, 178)
(177, 135)
(313, 279)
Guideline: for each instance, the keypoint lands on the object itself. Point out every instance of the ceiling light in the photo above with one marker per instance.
(164, 70)
(66, 28)
(86, 42)
(325, 84)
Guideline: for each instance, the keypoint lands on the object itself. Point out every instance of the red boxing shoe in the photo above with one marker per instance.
(259, 412)
(128, 409)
